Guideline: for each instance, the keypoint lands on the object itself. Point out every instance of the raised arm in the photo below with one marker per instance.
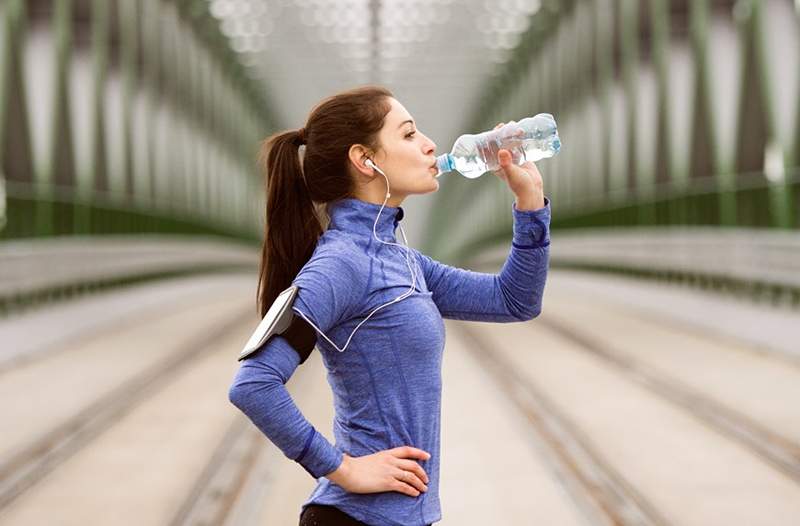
(515, 294)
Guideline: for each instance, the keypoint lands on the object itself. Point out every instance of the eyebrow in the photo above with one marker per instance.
(411, 121)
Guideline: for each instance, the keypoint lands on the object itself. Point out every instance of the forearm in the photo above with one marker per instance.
(524, 272)
(259, 391)
(515, 294)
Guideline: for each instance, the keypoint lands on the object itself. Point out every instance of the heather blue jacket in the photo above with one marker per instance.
(387, 383)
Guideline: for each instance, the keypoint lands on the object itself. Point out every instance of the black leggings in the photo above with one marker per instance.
(322, 515)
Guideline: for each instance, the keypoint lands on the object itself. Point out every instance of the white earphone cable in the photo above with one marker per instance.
(375, 234)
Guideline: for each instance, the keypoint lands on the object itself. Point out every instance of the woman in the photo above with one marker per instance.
(363, 156)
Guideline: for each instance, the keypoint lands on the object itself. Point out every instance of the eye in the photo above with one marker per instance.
(410, 134)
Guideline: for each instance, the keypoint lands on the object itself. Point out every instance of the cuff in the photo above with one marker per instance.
(319, 457)
(531, 227)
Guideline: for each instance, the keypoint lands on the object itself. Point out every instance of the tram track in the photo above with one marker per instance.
(225, 478)
(134, 307)
(603, 494)
(777, 450)
(30, 463)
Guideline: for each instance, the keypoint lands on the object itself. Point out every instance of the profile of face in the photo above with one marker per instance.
(406, 156)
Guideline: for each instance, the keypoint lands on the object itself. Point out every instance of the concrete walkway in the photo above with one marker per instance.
(612, 407)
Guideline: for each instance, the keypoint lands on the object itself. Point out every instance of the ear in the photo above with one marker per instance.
(358, 155)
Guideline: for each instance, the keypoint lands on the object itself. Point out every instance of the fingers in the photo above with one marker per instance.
(407, 478)
(409, 452)
(410, 465)
(402, 487)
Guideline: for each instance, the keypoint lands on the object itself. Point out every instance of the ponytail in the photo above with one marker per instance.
(292, 226)
(293, 222)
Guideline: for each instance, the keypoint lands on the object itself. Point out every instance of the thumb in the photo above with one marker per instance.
(504, 157)
(506, 166)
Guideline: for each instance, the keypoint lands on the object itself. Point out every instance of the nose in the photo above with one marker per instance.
(430, 146)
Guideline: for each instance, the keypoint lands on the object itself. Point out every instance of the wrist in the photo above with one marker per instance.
(529, 201)
(339, 474)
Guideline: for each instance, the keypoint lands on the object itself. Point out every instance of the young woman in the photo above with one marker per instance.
(373, 306)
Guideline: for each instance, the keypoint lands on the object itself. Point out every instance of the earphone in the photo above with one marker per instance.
(372, 165)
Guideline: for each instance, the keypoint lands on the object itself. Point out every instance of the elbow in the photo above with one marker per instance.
(237, 395)
(241, 393)
(253, 382)
(530, 314)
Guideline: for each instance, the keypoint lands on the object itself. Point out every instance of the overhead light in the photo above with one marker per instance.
(221, 8)
(228, 27)
(774, 165)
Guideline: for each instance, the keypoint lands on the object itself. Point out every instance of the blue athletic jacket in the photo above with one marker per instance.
(387, 383)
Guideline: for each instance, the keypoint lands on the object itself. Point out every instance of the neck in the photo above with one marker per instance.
(357, 216)
(375, 192)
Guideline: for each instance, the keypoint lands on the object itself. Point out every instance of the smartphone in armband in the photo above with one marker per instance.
(276, 321)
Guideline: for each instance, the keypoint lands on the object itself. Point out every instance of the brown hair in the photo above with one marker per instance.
(293, 220)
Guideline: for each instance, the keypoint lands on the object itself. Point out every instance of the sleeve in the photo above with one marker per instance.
(259, 391)
(513, 295)
(330, 288)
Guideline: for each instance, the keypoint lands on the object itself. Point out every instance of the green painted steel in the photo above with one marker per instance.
(120, 116)
(669, 114)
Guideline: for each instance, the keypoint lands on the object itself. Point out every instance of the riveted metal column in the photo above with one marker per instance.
(194, 128)
(704, 205)
(709, 159)
(100, 47)
(17, 155)
(584, 134)
(128, 22)
(753, 128)
(63, 158)
(630, 57)
(659, 46)
(3, 76)
(17, 150)
(603, 49)
(794, 156)
(151, 72)
(778, 38)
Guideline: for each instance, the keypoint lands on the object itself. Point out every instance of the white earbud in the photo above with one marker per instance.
(375, 167)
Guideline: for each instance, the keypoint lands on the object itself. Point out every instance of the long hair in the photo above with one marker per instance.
(295, 193)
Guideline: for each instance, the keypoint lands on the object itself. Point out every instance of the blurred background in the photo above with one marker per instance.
(660, 384)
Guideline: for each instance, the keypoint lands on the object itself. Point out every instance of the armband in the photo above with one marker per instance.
(280, 319)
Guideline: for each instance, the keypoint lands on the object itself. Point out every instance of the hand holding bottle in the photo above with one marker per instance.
(531, 139)
(388, 470)
(524, 180)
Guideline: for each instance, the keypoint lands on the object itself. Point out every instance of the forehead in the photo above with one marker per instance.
(397, 114)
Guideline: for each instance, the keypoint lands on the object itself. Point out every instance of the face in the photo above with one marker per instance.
(406, 156)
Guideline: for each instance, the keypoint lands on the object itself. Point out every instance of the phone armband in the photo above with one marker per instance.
(280, 319)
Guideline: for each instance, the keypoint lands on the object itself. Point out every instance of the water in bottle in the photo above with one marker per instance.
(530, 139)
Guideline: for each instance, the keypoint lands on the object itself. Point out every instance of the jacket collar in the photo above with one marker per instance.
(358, 217)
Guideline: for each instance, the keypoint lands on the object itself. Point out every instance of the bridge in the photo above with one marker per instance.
(660, 384)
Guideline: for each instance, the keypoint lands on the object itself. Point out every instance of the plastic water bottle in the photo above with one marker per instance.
(530, 139)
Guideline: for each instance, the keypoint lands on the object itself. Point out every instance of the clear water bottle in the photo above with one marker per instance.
(530, 139)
